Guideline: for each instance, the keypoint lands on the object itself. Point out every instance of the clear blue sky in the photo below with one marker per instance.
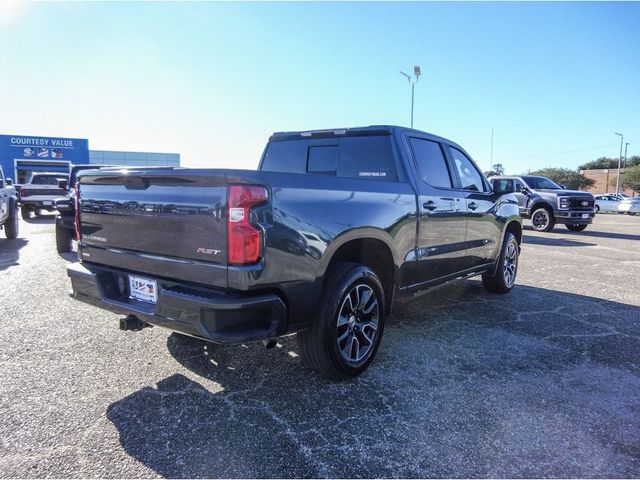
(212, 81)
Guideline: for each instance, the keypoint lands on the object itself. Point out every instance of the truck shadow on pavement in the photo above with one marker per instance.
(466, 384)
(10, 252)
(589, 232)
(41, 220)
(555, 242)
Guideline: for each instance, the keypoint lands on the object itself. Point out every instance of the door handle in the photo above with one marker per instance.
(473, 205)
(430, 205)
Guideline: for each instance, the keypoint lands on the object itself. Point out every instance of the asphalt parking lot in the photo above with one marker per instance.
(543, 382)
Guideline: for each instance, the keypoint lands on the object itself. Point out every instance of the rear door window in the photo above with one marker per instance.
(430, 162)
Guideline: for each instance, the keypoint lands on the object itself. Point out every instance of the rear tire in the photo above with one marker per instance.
(504, 278)
(542, 220)
(597, 209)
(25, 213)
(344, 338)
(576, 228)
(12, 227)
(64, 239)
(631, 213)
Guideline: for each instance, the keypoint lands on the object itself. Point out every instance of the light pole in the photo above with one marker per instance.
(619, 162)
(624, 163)
(417, 73)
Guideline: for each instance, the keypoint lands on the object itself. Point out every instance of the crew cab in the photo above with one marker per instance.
(333, 227)
(547, 203)
(41, 193)
(8, 207)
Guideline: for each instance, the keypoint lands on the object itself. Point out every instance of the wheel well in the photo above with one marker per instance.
(516, 229)
(544, 205)
(376, 255)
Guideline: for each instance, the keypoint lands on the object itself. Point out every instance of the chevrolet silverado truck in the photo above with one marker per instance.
(8, 208)
(547, 203)
(41, 193)
(332, 228)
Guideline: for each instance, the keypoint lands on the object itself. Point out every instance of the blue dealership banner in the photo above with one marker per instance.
(22, 151)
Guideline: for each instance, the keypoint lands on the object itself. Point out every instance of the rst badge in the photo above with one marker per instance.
(208, 251)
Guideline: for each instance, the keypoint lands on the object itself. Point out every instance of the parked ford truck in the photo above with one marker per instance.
(319, 241)
(547, 203)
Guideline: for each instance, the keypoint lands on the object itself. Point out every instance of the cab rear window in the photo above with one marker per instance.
(366, 157)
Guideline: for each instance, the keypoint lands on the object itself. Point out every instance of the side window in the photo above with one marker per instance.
(430, 162)
(469, 175)
(323, 160)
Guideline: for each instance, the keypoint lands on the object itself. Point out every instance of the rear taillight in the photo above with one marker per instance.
(76, 201)
(244, 238)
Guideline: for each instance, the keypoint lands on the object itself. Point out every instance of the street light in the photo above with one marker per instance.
(624, 163)
(619, 161)
(417, 72)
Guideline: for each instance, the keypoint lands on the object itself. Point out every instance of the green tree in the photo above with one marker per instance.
(496, 169)
(564, 176)
(631, 178)
(606, 162)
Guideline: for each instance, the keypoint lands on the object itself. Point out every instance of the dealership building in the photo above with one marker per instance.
(22, 155)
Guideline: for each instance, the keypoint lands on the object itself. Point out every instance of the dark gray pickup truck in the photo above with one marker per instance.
(332, 228)
(547, 203)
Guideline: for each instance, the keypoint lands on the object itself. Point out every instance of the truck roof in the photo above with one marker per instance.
(348, 132)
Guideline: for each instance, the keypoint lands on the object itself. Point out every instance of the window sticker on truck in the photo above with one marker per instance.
(372, 174)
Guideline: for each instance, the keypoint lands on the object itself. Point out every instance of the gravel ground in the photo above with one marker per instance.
(543, 382)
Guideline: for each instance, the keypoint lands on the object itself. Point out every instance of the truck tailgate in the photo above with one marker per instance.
(163, 222)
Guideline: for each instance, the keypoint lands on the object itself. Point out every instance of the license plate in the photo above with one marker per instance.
(143, 289)
(47, 203)
(585, 215)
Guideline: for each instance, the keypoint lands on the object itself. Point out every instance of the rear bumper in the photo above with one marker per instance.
(213, 315)
(575, 217)
(39, 202)
(628, 208)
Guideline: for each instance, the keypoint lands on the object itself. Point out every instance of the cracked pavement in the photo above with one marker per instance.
(543, 382)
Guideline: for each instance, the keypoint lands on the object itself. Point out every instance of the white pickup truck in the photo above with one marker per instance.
(41, 193)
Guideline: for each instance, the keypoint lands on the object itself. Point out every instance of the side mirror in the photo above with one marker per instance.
(564, 187)
(9, 182)
(63, 184)
(502, 186)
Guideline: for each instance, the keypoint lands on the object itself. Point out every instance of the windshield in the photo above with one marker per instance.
(541, 183)
(47, 179)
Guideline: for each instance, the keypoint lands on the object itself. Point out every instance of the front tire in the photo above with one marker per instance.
(576, 228)
(64, 239)
(631, 213)
(542, 220)
(344, 338)
(504, 278)
(25, 213)
(12, 227)
(597, 209)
